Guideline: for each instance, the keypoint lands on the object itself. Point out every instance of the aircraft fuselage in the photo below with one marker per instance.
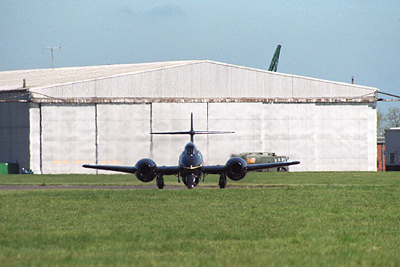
(190, 163)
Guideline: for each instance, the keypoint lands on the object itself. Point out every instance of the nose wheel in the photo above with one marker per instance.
(222, 181)
(160, 182)
(190, 181)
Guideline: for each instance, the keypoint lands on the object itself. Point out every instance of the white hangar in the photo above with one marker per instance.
(55, 120)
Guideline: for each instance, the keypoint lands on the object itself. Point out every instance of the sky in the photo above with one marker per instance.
(332, 40)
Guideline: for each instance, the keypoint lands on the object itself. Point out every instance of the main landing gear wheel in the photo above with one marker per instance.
(160, 182)
(222, 181)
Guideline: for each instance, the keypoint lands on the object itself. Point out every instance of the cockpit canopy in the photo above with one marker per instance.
(190, 149)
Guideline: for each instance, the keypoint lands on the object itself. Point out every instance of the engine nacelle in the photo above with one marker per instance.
(236, 168)
(145, 170)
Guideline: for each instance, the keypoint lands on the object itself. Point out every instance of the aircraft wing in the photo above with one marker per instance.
(213, 169)
(169, 170)
(127, 169)
(254, 167)
(165, 170)
(216, 169)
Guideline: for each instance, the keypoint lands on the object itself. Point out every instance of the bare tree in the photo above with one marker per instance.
(392, 117)
(381, 122)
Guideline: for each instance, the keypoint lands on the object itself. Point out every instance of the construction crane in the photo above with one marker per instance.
(274, 62)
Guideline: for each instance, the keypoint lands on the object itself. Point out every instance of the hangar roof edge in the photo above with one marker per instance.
(41, 78)
(38, 78)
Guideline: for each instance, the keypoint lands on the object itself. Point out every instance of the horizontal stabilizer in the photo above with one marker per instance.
(192, 132)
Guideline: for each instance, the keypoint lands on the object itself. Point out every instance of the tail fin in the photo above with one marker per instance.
(192, 132)
(274, 62)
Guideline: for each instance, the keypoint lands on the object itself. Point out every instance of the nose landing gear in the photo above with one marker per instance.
(190, 181)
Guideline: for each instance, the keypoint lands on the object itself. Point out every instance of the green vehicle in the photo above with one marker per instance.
(264, 157)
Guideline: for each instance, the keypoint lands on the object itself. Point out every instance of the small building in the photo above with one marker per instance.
(392, 149)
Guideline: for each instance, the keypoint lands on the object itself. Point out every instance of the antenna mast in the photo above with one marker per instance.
(51, 48)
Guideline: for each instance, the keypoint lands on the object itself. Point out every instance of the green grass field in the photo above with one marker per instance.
(274, 219)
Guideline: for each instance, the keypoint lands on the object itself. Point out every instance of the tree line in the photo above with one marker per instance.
(390, 119)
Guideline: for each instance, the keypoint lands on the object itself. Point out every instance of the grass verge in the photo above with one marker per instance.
(284, 219)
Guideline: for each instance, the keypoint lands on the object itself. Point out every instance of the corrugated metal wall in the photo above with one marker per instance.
(122, 133)
(323, 136)
(206, 79)
(14, 129)
(68, 138)
(35, 138)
